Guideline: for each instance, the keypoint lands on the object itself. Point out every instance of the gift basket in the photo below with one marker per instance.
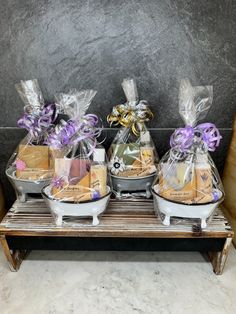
(30, 166)
(132, 154)
(188, 184)
(80, 186)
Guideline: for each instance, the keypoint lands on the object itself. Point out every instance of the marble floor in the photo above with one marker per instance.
(117, 282)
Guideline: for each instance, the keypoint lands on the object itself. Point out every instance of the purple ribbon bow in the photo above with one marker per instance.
(70, 133)
(207, 133)
(36, 125)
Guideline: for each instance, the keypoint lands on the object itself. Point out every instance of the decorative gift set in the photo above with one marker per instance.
(63, 159)
(132, 155)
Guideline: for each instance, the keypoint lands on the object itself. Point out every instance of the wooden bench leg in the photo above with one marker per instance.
(218, 259)
(14, 257)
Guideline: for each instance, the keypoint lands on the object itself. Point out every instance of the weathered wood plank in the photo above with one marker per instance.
(122, 219)
(135, 218)
(218, 259)
(14, 258)
(229, 181)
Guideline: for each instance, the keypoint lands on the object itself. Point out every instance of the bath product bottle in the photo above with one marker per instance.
(98, 174)
(203, 178)
(146, 149)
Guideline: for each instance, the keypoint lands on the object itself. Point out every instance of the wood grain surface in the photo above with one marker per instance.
(135, 219)
(229, 182)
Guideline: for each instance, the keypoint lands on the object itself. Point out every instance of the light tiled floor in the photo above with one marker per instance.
(117, 282)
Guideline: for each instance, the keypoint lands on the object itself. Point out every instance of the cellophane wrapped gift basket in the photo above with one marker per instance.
(80, 186)
(188, 184)
(132, 154)
(30, 167)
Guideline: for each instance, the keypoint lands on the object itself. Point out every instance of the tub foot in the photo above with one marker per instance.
(59, 220)
(203, 223)
(148, 192)
(95, 220)
(119, 189)
(22, 197)
(166, 220)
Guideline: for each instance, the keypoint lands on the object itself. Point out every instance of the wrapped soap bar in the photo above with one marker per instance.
(73, 179)
(132, 153)
(81, 174)
(32, 160)
(178, 181)
(187, 174)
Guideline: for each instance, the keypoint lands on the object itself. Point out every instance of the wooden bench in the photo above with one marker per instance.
(126, 225)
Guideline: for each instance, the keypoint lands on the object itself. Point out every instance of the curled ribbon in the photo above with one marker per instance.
(206, 133)
(37, 124)
(129, 115)
(72, 132)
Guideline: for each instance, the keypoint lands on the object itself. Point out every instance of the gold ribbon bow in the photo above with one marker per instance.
(132, 116)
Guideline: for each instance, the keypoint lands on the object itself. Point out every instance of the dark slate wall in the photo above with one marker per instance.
(95, 44)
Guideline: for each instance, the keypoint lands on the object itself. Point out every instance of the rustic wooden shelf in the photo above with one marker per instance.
(27, 225)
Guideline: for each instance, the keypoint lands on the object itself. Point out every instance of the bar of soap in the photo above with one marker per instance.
(129, 152)
(36, 159)
(76, 177)
(178, 181)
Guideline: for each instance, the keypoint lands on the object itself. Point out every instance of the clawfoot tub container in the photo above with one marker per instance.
(24, 187)
(62, 208)
(121, 184)
(176, 209)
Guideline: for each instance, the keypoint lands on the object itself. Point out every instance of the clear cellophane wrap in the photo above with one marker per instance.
(32, 160)
(81, 173)
(132, 153)
(187, 173)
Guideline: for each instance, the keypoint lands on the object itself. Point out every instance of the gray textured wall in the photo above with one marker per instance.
(95, 44)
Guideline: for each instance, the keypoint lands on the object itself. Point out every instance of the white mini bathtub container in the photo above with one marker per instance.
(24, 187)
(122, 184)
(82, 209)
(175, 209)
